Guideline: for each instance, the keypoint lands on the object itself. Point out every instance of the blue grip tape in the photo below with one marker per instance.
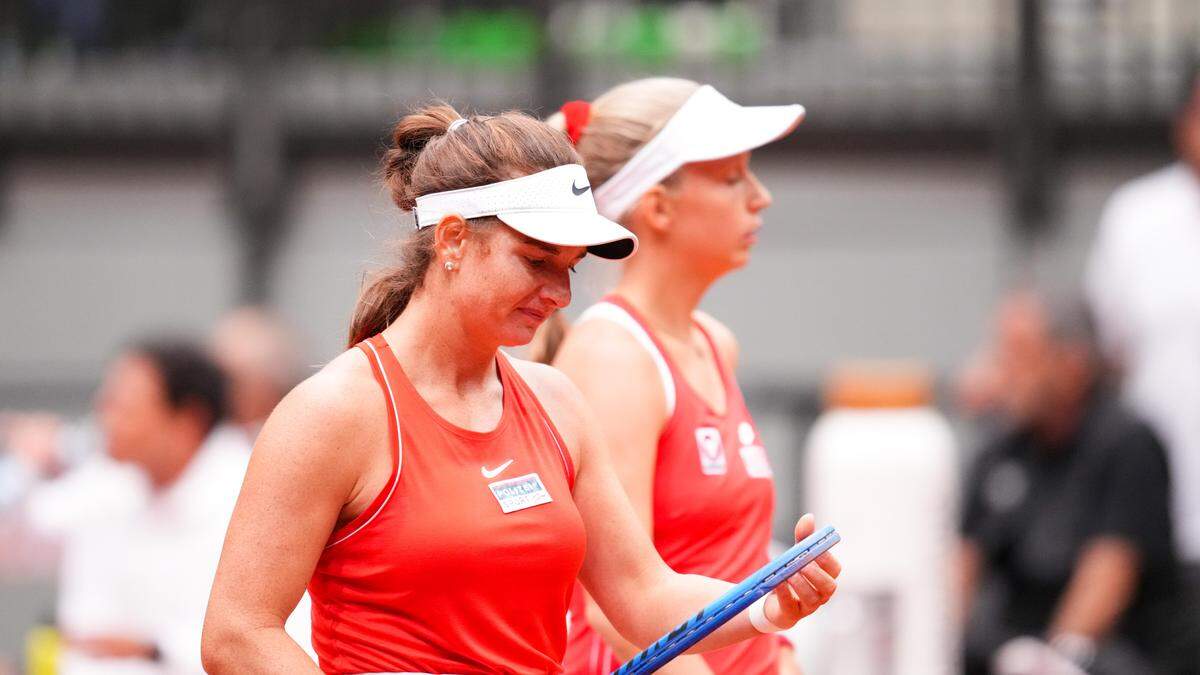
(731, 604)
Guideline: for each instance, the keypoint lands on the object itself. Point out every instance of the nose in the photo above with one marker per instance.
(558, 290)
(760, 196)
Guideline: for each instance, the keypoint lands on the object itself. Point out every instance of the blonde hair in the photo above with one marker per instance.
(424, 157)
(625, 118)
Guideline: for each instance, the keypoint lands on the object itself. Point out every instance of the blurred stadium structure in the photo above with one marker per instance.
(160, 163)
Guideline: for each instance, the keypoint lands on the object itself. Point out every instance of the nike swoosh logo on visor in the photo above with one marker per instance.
(579, 190)
(492, 473)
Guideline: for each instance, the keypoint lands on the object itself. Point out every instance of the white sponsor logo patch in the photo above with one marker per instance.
(712, 451)
(754, 457)
(746, 433)
(519, 493)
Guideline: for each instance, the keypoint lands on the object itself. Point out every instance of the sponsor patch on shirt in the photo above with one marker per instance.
(519, 493)
(746, 434)
(712, 451)
(754, 457)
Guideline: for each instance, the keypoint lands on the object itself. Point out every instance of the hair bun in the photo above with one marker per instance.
(410, 136)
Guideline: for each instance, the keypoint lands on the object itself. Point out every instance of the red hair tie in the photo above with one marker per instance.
(577, 114)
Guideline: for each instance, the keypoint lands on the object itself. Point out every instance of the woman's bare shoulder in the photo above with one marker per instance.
(554, 390)
(604, 350)
(331, 409)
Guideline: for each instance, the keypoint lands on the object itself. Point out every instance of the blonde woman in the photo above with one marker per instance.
(670, 160)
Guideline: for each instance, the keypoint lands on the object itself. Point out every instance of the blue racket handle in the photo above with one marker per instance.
(731, 604)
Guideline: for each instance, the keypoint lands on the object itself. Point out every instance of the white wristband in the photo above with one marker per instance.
(758, 617)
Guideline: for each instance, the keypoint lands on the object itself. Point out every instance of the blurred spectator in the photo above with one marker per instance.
(1067, 562)
(102, 497)
(260, 358)
(142, 522)
(1143, 281)
(254, 349)
(39, 445)
(30, 448)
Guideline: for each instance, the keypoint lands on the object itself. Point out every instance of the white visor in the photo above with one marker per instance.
(708, 126)
(553, 206)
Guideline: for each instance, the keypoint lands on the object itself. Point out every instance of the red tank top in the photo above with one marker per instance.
(435, 576)
(713, 500)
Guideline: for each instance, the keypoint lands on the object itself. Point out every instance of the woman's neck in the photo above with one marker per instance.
(433, 344)
(665, 290)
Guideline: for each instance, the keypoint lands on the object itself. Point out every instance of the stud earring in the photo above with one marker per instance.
(449, 265)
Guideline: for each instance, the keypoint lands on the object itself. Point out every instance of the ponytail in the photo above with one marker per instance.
(385, 295)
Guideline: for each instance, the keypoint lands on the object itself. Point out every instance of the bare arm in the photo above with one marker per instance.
(634, 396)
(1108, 568)
(639, 594)
(642, 596)
(306, 469)
(1100, 589)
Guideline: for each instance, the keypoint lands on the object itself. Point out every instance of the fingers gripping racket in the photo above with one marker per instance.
(731, 604)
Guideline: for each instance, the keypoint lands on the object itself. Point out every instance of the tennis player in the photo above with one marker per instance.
(438, 498)
(670, 159)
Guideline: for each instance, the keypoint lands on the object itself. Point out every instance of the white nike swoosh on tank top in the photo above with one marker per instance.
(492, 473)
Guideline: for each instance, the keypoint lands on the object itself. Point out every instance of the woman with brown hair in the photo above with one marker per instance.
(439, 498)
(669, 159)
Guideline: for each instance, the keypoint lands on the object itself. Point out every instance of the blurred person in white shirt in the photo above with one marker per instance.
(142, 523)
(254, 348)
(1143, 282)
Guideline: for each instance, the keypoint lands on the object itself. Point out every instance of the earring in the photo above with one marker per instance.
(449, 265)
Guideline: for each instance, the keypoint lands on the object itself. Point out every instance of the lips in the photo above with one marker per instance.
(534, 314)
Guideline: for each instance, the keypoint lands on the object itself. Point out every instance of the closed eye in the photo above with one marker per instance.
(544, 262)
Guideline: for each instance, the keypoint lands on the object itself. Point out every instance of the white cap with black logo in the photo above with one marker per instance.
(554, 206)
(708, 126)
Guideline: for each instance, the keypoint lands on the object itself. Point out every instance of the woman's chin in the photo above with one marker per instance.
(739, 259)
(517, 336)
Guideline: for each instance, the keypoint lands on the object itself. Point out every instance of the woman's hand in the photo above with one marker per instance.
(806, 590)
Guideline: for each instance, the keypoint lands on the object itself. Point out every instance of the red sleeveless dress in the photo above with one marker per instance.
(465, 561)
(714, 495)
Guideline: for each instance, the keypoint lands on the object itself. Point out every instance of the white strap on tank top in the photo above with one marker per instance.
(616, 314)
(399, 449)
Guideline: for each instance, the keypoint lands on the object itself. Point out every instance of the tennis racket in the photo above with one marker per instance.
(731, 604)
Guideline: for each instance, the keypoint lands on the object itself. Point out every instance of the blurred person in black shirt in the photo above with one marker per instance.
(1067, 561)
